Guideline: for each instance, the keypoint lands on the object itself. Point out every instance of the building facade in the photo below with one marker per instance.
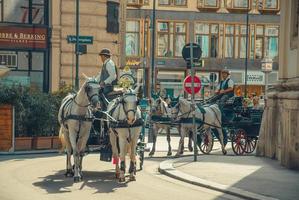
(218, 26)
(36, 39)
(279, 134)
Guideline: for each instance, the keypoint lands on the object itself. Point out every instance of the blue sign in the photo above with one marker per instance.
(82, 39)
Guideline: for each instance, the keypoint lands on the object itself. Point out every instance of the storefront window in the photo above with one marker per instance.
(171, 82)
(28, 70)
(171, 38)
(21, 11)
(133, 38)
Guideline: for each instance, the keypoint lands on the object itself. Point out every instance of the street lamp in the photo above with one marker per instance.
(267, 64)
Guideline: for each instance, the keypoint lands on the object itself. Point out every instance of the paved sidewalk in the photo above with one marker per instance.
(249, 177)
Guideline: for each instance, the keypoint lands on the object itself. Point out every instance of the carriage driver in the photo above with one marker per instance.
(225, 89)
(108, 76)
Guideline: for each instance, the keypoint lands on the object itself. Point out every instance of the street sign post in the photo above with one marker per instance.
(192, 54)
(82, 39)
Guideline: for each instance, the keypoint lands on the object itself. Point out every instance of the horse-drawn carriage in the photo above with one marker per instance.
(115, 125)
(233, 122)
(240, 125)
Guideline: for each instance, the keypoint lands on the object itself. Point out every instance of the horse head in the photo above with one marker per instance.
(129, 101)
(91, 89)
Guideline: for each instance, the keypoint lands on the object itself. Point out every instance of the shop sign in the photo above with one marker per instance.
(255, 78)
(12, 37)
(133, 63)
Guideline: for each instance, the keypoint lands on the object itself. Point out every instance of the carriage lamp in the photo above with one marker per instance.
(267, 64)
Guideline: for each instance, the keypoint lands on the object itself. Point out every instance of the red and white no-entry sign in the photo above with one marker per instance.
(188, 84)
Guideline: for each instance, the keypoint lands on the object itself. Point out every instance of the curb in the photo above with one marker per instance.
(28, 152)
(166, 168)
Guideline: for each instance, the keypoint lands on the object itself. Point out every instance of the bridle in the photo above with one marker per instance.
(122, 102)
(178, 107)
(87, 93)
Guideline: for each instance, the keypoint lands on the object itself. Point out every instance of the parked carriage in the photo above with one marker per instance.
(240, 125)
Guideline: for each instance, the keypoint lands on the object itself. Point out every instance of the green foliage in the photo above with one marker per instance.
(35, 112)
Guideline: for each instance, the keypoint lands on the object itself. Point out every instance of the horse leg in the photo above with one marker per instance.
(133, 143)
(169, 153)
(69, 170)
(190, 134)
(155, 132)
(115, 153)
(122, 147)
(221, 141)
(181, 142)
(76, 155)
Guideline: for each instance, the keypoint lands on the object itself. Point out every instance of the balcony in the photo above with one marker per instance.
(208, 5)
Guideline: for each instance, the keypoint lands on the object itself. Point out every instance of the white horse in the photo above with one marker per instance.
(125, 131)
(161, 110)
(210, 117)
(75, 119)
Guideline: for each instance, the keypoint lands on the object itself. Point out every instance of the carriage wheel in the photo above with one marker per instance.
(239, 141)
(206, 145)
(250, 144)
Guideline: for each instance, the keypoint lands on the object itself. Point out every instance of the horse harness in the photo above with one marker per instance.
(123, 123)
(80, 118)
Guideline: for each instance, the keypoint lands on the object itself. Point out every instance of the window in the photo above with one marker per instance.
(271, 41)
(270, 4)
(229, 41)
(8, 59)
(21, 11)
(28, 68)
(133, 38)
(208, 3)
(138, 2)
(259, 42)
(171, 38)
(238, 4)
(202, 38)
(242, 48)
(112, 17)
(173, 2)
(207, 36)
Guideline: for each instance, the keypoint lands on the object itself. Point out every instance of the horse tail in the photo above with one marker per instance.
(62, 140)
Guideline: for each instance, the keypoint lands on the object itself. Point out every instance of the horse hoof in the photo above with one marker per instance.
(69, 173)
(76, 179)
(169, 153)
(177, 155)
(132, 178)
(121, 180)
(151, 153)
(190, 149)
(224, 152)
